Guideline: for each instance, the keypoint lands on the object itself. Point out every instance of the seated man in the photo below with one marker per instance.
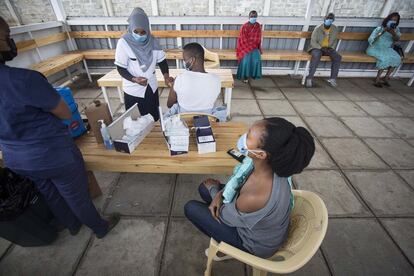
(323, 43)
(195, 90)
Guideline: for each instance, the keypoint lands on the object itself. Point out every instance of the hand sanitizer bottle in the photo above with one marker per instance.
(105, 136)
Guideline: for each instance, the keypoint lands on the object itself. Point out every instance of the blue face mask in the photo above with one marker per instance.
(328, 22)
(242, 146)
(139, 38)
(252, 20)
(391, 24)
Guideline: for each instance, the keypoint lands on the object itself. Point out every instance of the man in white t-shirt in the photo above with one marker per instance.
(195, 90)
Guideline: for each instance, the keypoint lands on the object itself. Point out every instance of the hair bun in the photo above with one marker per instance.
(296, 151)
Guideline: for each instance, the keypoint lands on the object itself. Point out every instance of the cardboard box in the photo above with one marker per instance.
(177, 142)
(116, 131)
(98, 111)
(204, 135)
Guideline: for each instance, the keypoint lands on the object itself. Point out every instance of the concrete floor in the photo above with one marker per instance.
(363, 169)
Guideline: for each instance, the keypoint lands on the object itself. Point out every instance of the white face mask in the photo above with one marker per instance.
(188, 66)
(242, 146)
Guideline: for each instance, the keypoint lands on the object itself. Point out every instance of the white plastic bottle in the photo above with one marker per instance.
(105, 136)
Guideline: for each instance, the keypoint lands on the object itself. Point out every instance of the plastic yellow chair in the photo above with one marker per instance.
(308, 224)
(211, 60)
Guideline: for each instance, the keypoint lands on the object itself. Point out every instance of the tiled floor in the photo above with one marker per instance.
(363, 169)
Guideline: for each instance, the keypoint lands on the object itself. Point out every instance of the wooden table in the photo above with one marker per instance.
(152, 155)
(113, 79)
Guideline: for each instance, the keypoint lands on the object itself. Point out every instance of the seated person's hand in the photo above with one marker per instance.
(211, 182)
(141, 80)
(169, 81)
(215, 205)
(391, 31)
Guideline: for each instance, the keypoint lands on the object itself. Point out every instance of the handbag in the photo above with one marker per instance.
(399, 50)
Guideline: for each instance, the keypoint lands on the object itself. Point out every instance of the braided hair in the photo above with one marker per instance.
(290, 148)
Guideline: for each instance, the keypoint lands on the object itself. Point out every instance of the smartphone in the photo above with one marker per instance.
(236, 155)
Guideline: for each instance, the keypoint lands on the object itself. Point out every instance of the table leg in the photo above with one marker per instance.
(69, 74)
(107, 99)
(227, 100)
(121, 97)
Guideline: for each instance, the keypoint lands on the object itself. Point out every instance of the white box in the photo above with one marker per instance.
(116, 131)
(177, 142)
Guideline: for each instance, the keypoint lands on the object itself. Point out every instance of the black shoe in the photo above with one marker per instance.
(377, 84)
(386, 83)
(59, 227)
(76, 231)
(112, 222)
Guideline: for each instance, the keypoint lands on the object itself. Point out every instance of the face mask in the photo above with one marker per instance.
(242, 146)
(12, 53)
(139, 38)
(391, 24)
(188, 65)
(252, 20)
(328, 22)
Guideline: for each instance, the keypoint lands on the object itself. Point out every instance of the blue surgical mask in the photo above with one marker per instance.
(252, 20)
(242, 146)
(391, 24)
(139, 38)
(328, 22)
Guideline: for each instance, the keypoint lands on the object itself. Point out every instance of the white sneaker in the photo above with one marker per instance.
(217, 258)
(332, 82)
(308, 83)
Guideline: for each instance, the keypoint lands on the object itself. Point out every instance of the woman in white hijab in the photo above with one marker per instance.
(137, 54)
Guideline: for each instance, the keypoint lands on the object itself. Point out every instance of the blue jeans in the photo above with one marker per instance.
(65, 190)
(199, 214)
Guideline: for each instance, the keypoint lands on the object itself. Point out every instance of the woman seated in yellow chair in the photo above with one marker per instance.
(254, 215)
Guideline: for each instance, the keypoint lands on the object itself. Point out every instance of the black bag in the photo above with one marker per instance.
(25, 218)
(399, 50)
(15, 194)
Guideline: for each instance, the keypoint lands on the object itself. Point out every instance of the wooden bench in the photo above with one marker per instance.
(152, 155)
(54, 64)
(61, 62)
(113, 79)
(229, 54)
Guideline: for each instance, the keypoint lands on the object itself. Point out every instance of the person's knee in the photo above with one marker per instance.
(202, 188)
(190, 209)
(316, 53)
(337, 58)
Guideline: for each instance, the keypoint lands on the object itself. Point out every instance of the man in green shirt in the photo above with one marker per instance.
(323, 43)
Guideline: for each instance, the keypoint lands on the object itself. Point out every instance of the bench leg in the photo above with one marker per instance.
(87, 70)
(305, 73)
(69, 74)
(121, 98)
(410, 82)
(107, 99)
(227, 100)
(94, 189)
